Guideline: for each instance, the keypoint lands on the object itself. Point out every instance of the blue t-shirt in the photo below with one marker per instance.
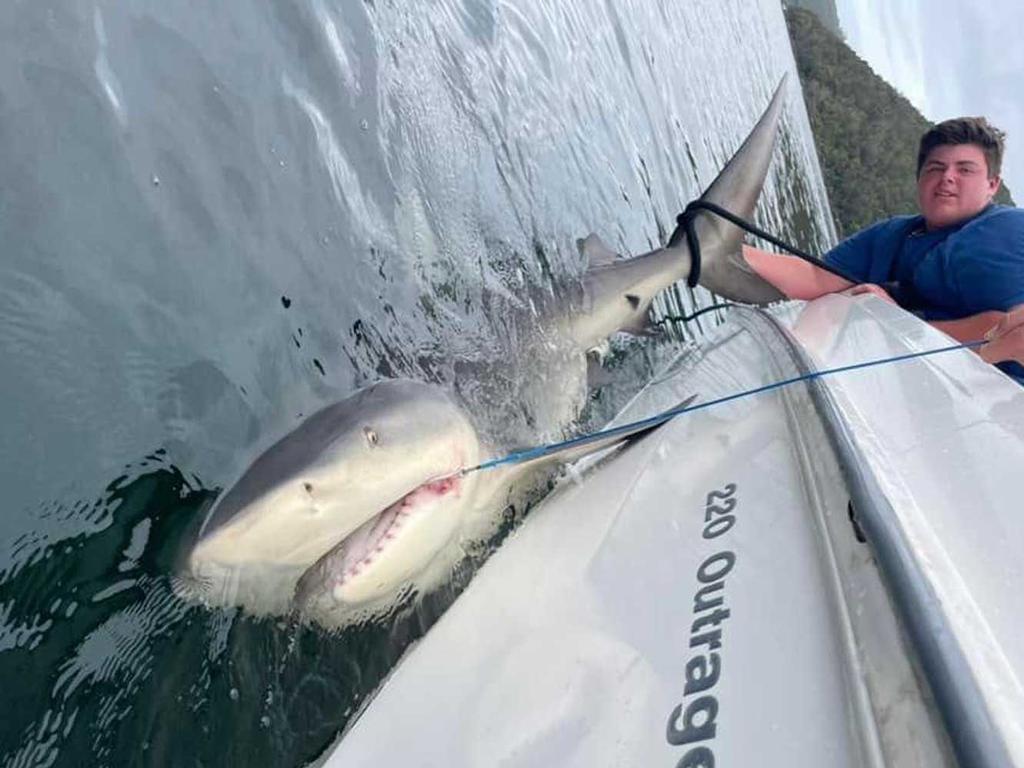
(944, 274)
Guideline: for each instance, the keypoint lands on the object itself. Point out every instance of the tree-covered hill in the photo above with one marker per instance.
(825, 10)
(865, 131)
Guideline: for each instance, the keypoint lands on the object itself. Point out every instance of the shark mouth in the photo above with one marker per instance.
(361, 550)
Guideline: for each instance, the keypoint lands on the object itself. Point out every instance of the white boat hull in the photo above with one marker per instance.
(702, 597)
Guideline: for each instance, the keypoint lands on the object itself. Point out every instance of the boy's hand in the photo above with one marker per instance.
(1005, 339)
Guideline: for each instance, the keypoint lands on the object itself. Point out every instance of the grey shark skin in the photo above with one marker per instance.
(365, 499)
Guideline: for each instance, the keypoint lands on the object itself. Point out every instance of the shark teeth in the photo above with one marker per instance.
(362, 547)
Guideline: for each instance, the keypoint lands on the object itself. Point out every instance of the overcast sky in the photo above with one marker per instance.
(949, 58)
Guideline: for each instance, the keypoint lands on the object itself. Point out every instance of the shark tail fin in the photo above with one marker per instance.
(737, 189)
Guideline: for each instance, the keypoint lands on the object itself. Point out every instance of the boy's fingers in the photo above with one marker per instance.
(1008, 346)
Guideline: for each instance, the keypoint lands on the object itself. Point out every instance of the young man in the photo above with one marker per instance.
(959, 264)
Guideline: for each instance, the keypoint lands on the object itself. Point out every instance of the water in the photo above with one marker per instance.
(217, 218)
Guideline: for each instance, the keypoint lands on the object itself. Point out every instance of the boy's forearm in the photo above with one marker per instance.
(799, 279)
(796, 278)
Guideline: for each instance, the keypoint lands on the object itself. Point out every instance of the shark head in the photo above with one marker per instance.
(375, 472)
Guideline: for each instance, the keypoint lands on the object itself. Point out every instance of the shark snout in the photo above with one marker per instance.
(292, 525)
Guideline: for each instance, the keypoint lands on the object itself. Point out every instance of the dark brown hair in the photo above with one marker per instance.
(965, 130)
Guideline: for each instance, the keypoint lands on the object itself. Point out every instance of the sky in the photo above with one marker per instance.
(949, 58)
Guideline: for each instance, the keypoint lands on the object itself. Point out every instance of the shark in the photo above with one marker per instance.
(369, 499)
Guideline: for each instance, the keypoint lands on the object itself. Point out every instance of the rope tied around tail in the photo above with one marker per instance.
(685, 227)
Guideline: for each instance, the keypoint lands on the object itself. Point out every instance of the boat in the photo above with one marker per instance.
(826, 573)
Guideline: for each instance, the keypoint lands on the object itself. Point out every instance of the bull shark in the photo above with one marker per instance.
(367, 498)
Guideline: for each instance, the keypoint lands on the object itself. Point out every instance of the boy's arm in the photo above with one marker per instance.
(799, 279)
(796, 278)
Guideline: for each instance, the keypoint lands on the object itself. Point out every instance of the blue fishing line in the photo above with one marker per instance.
(517, 457)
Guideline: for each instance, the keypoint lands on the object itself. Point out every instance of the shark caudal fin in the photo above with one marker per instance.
(617, 293)
(737, 189)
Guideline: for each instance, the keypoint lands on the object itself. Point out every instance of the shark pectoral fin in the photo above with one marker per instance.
(631, 434)
(621, 436)
(731, 277)
(597, 254)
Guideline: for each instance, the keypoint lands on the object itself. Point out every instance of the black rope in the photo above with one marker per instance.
(694, 315)
(685, 226)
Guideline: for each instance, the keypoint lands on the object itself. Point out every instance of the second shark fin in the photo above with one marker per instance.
(596, 252)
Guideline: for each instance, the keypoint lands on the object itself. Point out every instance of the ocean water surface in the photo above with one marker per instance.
(217, 218)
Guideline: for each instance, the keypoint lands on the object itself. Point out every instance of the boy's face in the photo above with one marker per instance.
(954, 184)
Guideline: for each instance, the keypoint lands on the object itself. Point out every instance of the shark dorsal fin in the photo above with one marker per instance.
(594, 250)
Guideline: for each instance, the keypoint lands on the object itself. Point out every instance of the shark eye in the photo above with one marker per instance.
(371, 436)
(308, 487)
